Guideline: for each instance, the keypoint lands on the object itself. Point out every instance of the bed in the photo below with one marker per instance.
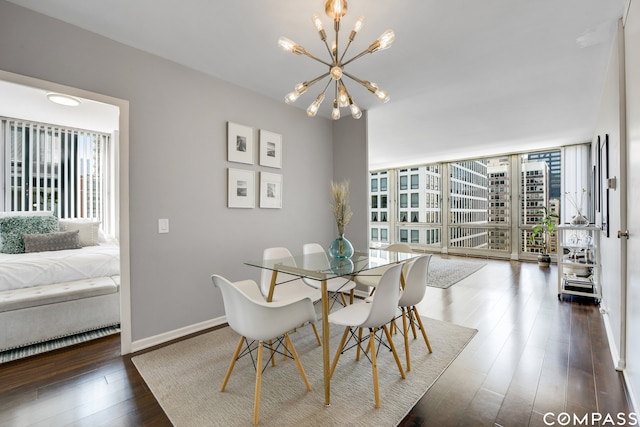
(51, 293)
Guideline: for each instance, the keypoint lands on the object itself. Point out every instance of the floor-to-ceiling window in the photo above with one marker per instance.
(485, 206)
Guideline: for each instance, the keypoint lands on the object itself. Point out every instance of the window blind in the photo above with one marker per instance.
(55, 168)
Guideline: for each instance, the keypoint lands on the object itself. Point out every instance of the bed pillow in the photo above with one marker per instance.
(89, 230)
(13, 227)
(56, 241)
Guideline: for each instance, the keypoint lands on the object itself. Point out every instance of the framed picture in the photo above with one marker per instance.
(597, 184)
(239, 143)
(270, 149)
(604, 187)
(270, 190)
(241, 193)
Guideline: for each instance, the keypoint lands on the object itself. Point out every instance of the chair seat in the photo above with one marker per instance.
(353, 314)
(294, 290)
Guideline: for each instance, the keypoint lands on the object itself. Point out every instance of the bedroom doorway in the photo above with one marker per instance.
(19, 96)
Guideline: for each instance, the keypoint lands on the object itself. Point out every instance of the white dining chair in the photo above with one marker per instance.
(413, 292)
(315, 259)
(262, 324)
(284, 285)
(375, 317)
(371, 277)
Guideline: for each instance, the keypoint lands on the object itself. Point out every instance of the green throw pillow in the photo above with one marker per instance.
(12, 228)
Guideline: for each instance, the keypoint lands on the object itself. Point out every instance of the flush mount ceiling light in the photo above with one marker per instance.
(336, 9)
(62, 99)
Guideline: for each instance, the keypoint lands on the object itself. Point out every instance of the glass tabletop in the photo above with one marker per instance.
(320, 266)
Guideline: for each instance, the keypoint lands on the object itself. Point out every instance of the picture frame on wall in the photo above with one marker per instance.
(270, 190)
(270, 149)
(241, 189)
(597, 184)
(604, 184)
(239, 143)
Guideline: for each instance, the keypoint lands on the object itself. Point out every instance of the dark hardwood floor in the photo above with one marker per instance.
(533, 354)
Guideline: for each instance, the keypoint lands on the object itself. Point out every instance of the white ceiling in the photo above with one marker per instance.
(29, 103)
(465, 76)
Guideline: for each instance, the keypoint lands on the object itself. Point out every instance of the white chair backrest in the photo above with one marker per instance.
(385, 299)
(272, 256)
(402, 247)
(399, 247)
(314, 258)
(256, 319)
(415, 283)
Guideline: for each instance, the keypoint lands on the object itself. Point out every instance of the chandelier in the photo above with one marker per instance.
(336, 9)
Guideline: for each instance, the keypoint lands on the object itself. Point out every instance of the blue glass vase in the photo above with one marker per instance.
(341, 248)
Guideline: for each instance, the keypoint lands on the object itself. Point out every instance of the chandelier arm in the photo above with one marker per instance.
(326, 87)
(305, 53)
(345, 52)
(355, 79)
(317, 79)
(328, 48)
(345, 88)
(361, 54)
(336, 26)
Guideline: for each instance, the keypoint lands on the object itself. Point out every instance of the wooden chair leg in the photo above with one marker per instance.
(256, 401)
(291, 349)
(232, 364)
(344, 301)
(359, 341)
(405, 331)
(412, 323)
(339, 352)
(273, 359)
(393, 350)
(374, 369)
(315, 331)
(424, 333)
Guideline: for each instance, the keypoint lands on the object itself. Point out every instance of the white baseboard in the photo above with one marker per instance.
(634, 403)
(615, 355)
(175, 334)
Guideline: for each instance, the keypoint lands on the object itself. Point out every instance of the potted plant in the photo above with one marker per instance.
(544, 228)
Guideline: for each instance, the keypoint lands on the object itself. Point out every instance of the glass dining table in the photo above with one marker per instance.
(319, 266)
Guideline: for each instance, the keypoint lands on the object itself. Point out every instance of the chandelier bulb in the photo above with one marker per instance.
(343, 98)
(317, 22)
(335, 9)
(358, 24)
(382, 95)
(356, 27)
(291, 97)
(286, 44)
(386, 39)
(356, 113)
(313, 108)
(335, 113)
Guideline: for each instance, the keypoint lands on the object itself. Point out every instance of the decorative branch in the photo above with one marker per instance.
(340, 207)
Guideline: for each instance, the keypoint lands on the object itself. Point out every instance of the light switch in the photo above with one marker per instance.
(163, 225)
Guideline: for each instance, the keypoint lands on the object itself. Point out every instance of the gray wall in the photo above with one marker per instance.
(350, 162)
(178, 167)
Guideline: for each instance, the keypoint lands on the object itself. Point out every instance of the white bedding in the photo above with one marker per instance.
(46, 268)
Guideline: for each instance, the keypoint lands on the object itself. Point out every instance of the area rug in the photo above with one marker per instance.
(444, 273)
(185, 378)
(32, 350)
